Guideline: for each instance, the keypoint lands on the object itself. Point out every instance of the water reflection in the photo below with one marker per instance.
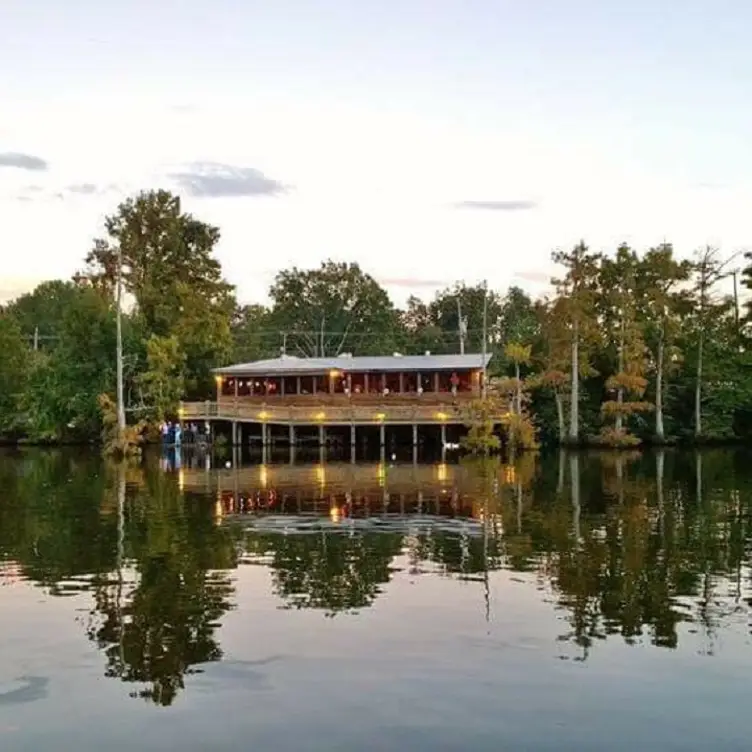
(641, 546)
(156, 622)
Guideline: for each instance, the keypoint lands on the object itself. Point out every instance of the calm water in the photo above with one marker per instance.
(558, 603)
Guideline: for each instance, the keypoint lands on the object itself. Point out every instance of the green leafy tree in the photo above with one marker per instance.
(170, 270)
(468, 301)
(252, 335)
(421, 333)
(62, 398)
(577, 291)
(163, 382)
(518, 318)
(334, 309)
(709, 313)
(660, 277)
(619, 315)
(15, 363)
(554, 358)
(42, 310)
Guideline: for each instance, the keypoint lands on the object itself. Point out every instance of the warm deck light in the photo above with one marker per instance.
(181, 413)
(263, 415)
(441, 416)
(333, 374)
(441, 471)
(320, 416)
(263, 475)
(380, 416)
(321, 475)
(181, 479)
(218, 379)
(335, 514)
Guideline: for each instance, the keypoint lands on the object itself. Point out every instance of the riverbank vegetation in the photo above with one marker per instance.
(629, 346)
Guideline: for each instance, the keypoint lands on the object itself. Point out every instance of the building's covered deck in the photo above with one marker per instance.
(345, 391)
(353, 377)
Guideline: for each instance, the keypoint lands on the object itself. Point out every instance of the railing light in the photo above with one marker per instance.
(263, 415)
(320, 416)
(441, 416)
(380, 416)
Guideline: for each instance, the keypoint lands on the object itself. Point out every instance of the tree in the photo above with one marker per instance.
(445, 309)
(42, 310)
(518, 318)
(707, 309)
(555, 358)
(170, 270)
(14, 372)
(421, 333)
(659, 279)
(577, 292)
(481, 418)
(619, 307)
(333, 309)
(62, 398)
(252, 338)
(163, 383)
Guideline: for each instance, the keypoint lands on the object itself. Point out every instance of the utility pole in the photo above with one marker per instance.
(119, 345)
(484, 388)
(736, 302)
(461, 325)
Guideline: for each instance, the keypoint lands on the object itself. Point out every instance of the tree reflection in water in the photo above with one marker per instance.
(161, 625)
(641, 546)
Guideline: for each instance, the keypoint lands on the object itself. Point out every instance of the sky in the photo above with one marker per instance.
(428, 140)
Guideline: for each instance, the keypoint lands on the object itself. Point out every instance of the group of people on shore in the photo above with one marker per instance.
(173, 434)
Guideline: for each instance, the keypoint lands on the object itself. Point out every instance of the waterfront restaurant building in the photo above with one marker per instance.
(380, 391)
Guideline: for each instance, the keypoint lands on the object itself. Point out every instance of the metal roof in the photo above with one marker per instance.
(293, 365)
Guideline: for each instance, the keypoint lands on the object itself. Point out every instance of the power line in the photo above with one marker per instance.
(317, 334)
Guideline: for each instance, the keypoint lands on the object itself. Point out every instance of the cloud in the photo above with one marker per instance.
(41, 193)
(86, 189)
(413, 282)
(23, 161)
(184, 108)
(514, 205)
(534, 276)
(215, 180)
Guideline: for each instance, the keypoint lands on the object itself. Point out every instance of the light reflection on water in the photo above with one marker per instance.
(373, 606)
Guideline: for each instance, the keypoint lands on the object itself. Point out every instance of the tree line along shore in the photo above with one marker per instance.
(630, 346)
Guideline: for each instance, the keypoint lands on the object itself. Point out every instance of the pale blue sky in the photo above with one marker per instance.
(406, 135)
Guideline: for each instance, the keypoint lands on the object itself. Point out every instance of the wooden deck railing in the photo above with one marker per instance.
(341, 412)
